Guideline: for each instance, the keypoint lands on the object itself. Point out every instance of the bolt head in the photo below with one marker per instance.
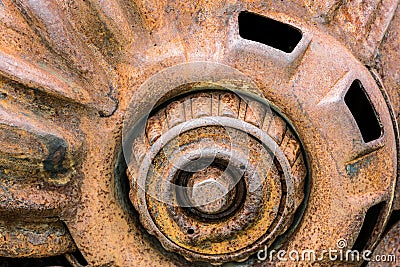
(209, 190)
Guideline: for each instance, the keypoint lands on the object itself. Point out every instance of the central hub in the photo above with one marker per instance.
(221, 177)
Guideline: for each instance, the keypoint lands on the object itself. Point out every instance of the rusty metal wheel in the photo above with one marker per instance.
(179, 133)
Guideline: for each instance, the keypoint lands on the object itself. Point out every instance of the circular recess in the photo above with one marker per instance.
(216, 175)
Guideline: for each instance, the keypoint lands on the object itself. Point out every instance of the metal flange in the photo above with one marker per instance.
(223, 175)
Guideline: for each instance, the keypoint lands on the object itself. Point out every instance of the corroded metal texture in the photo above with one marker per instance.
(78, 77)
(32, 239)
(217, 180)
(389, 245)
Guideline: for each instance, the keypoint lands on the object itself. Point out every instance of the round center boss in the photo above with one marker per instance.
(221, 167)
(221, 174)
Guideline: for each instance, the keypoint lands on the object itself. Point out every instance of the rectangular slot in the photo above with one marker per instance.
(368, 227)
(363, 112)
(268, 31)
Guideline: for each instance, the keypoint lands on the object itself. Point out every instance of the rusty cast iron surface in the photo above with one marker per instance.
(291, 166)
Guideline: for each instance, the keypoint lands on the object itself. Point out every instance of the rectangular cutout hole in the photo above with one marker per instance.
(268, 31)
(363, 112)
(368, 227)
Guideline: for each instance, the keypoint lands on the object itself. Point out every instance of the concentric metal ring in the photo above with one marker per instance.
(261, 176)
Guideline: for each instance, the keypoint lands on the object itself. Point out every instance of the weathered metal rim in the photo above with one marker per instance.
(389, 204)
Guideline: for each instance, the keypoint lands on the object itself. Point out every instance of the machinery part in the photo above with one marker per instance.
(75, 76)
(223, 175)
(387, 252)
